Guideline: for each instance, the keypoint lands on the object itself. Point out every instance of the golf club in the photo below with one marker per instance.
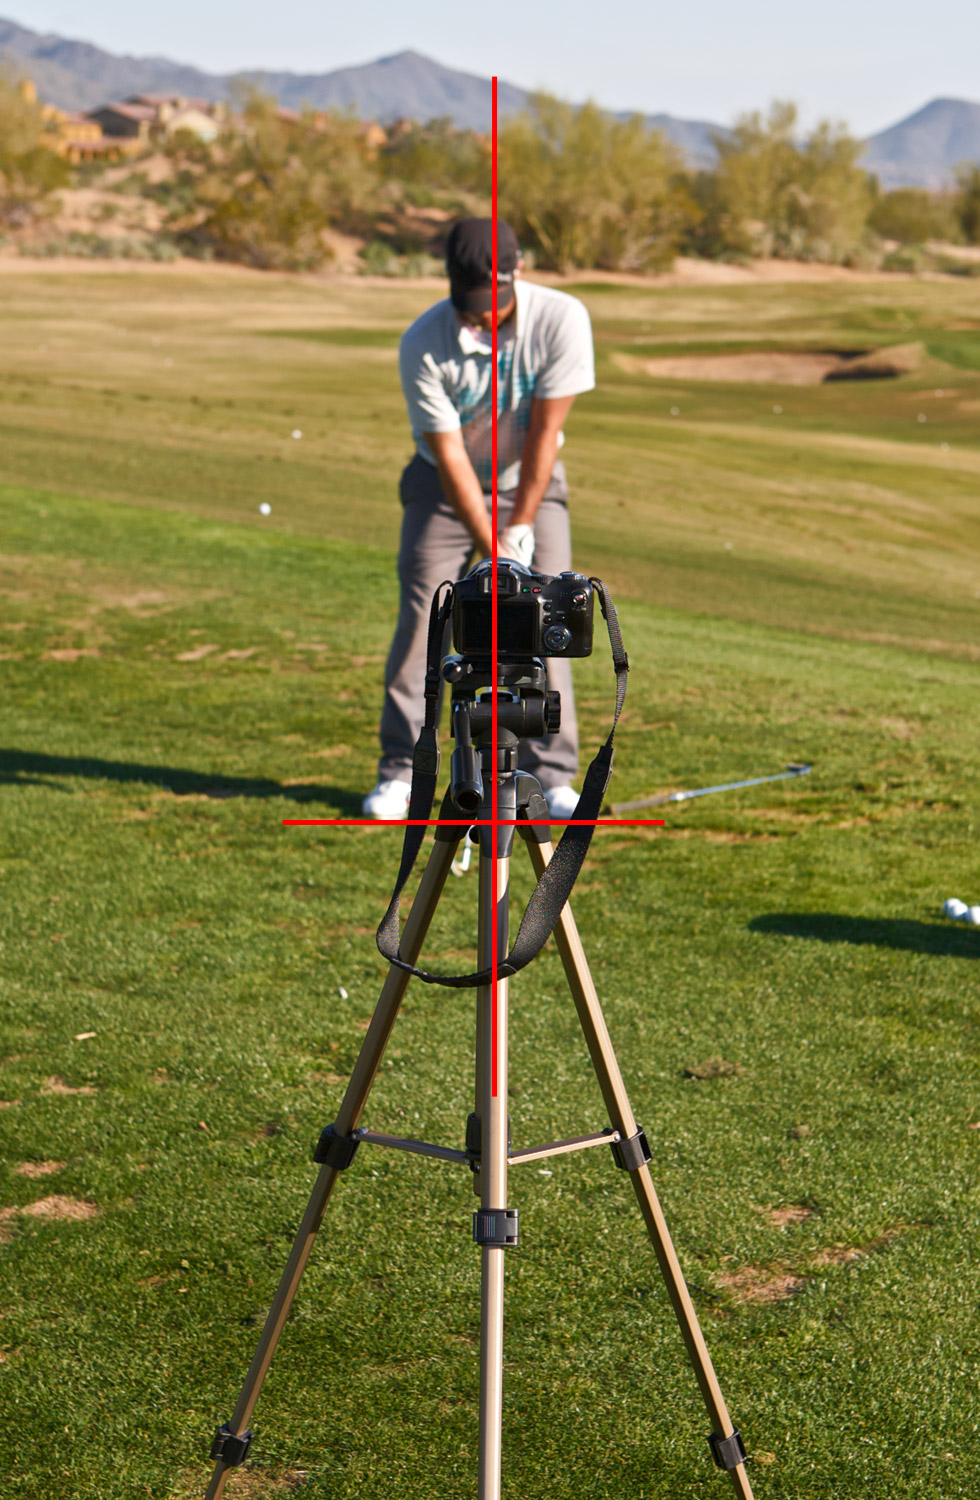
(794, 768)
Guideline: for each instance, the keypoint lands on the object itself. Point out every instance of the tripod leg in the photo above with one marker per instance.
(369, 1060)
(725, 1450)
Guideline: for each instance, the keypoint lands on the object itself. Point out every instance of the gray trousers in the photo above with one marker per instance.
(435, 546)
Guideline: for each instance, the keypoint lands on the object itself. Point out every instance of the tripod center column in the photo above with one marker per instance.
(493, 1218)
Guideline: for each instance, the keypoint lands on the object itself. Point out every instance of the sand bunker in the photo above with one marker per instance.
(780, 367)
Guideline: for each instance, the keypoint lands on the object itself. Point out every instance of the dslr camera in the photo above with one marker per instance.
(537, 614)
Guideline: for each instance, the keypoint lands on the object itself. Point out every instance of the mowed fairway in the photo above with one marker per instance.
(185, 983)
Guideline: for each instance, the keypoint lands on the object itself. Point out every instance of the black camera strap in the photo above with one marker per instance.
(425, 760)
(555, 886)
(552, 891)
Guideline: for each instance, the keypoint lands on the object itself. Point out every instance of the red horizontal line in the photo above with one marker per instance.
(472, 822)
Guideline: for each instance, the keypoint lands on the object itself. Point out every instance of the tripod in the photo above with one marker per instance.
(488, 1153)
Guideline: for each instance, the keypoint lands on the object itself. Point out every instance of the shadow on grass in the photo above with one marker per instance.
(29, 768)
(878, 932)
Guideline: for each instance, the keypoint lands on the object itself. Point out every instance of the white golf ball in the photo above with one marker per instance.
(973, 916)
(265, 509)
(296, 433)
(957, 910)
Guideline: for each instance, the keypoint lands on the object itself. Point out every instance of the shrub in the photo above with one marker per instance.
(912, 216)
(909, 258)
(91, 246)
(966, 203)
(30, 171)
(378, 259)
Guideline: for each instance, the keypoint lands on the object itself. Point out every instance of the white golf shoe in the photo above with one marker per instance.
(562, 800)
(388, 800)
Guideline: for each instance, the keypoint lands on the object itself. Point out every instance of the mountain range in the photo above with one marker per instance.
(920, 151)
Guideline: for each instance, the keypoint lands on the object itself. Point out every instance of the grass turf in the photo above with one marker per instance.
(180, 677)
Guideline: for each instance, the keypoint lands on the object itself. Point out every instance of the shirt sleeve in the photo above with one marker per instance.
(570, 364)
(430, 408)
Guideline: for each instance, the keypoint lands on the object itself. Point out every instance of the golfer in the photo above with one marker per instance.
(544, 360)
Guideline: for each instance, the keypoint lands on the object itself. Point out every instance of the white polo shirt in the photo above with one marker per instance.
(445, 370)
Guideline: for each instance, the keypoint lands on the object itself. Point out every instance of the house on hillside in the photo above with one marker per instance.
(374, 136)
(144, 119)
(72, 136)
(173, 113)
(76, 138)
(129, 122)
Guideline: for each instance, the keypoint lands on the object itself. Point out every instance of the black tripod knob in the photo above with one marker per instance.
(466, 782)
(552, 712)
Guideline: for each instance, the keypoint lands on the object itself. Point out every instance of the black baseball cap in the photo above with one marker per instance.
(469, 263)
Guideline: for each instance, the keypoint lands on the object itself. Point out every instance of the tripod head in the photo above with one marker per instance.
(537, 616)
(526, 708)
(506, 678)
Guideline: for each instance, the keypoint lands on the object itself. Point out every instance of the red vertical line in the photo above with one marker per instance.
(493, 570)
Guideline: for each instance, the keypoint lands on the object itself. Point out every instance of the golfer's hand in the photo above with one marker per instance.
(517, 542)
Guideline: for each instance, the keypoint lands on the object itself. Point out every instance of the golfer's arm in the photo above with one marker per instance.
(538, 458)
(460, 485)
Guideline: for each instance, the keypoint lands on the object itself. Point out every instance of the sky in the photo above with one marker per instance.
(866, 62)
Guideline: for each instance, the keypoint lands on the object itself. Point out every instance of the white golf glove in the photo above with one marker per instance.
(518, 542)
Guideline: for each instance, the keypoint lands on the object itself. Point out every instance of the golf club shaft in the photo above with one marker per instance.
(706, 791)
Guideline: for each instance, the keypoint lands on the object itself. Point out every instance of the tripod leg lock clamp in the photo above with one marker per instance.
(495, 1226)
(335, 1150)
(632, 1152)
(728, 1452)
(231, 1447)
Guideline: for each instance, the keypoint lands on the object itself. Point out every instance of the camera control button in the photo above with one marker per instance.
(557, 638)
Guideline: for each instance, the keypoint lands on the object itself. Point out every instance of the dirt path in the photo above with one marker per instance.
(685, 273)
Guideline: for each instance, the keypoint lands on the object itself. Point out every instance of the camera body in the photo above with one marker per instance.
(537, 614)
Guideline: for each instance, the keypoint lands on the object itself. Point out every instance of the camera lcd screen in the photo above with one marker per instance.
(515, 628)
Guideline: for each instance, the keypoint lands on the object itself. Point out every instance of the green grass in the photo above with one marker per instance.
(153, 898)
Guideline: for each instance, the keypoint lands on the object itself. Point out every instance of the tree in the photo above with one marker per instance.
(782, 196)
(438, 158)
(966, 204)
(585, 189)
(271, 185)
(30, 170)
